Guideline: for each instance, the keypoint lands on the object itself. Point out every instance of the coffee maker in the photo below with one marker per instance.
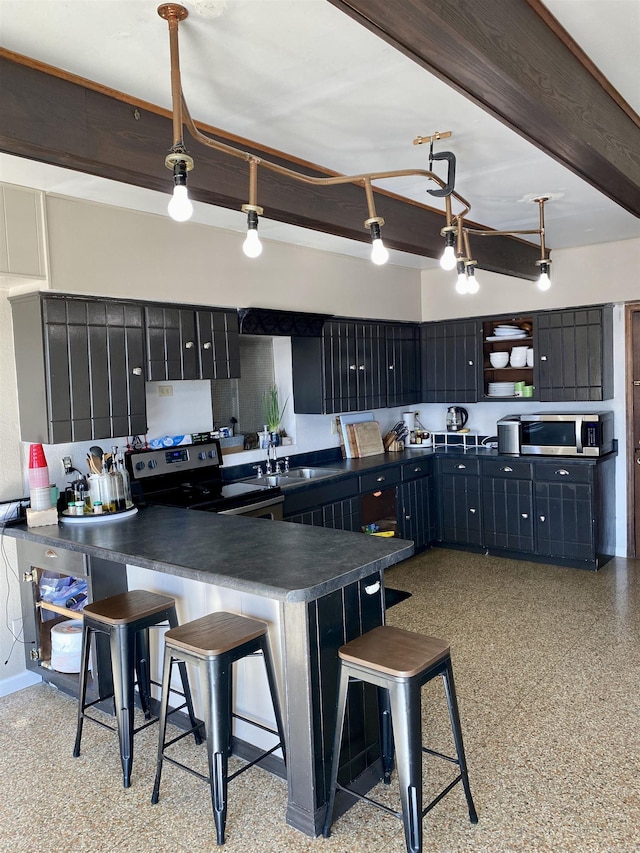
(456, 418)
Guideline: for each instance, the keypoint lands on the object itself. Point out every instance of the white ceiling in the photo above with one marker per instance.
(302, 77)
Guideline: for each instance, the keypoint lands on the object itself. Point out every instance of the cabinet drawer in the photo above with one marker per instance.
(512, 470)
(52, 558)
(460, 465)
(416, 469)
(560, 472)
(301, 500)
(380, 479)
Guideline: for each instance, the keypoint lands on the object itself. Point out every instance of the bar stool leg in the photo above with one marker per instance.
(407, 733)
(122, 664)
(386, 734)
(82, 698)
(343, 687)
(452, 702)
(162, 721)
(273, 689)
(217, 688)
(182, 667)
(143, 670)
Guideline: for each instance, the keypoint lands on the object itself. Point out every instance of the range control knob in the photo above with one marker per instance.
(202, 455)
(152, 463)
(139, 466)
(213, 454)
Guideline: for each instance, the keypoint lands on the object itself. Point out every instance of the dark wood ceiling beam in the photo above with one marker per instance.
(514, 60)
(53, 117)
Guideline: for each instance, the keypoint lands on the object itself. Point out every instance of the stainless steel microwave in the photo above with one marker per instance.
(557, 434)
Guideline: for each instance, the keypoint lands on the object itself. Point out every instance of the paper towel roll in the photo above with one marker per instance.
(66, 645)
(409, 420)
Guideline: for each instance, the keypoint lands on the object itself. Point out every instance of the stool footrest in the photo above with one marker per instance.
(255, 761)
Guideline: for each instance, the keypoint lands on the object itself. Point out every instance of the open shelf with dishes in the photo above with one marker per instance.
(507, 366)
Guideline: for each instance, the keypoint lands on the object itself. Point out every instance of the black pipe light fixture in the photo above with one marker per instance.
(456, 255)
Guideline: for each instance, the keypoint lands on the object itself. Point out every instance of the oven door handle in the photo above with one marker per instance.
(579, 447)
(257, 505)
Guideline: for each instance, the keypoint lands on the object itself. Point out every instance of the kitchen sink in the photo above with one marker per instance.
(311, 473)
(293, 476)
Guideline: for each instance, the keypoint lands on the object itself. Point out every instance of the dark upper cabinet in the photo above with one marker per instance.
(189, 343)
(574, 354)
(80, 368)
(347, 368)
(403, 364)
(449, 354)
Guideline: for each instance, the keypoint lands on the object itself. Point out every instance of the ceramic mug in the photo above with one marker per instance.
(527, 391)
(518, 389)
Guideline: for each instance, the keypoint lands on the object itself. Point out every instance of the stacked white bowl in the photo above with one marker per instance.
(518, 356)
(499, 359)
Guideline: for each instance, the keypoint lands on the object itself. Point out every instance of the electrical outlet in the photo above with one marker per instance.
(334, 426)
(165, 390)
(67, 464)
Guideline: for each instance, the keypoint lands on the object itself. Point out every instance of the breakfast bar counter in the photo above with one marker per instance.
(315, 587)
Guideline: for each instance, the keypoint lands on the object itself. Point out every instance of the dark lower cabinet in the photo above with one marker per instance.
(416, 503)
(507, 506)
(339, 515)
(333, 620)
(459, 505)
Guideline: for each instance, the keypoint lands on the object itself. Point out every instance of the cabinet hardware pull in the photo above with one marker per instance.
(472, 510)
(543, 518)
(638, 460)
(207, 345)
(361, 367)
(137, 371)
(563, 472)
(470, 364)
(352, 367)
(525, 515)
(543, 358)
(372, 588)
(507, 468)
(50, 553)
(417, 470)
(380, 479)
(461, 466)
(391, 366)
(636, 382)
(188, 345)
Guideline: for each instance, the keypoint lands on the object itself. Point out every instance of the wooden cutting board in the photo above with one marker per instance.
(368, 438)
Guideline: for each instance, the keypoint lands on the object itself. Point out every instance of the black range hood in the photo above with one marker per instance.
(269, 321)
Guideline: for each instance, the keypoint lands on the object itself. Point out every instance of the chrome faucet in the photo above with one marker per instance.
(272, 456)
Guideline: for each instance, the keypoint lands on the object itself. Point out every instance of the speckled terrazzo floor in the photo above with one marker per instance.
(547, 668)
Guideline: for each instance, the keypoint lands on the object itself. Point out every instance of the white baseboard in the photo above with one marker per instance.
(18, 682)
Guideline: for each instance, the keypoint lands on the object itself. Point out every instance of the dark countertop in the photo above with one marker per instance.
(273, 559)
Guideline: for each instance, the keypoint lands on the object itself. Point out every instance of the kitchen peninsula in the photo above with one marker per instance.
(315, 587)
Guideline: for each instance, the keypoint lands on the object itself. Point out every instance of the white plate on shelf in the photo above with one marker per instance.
(98, 518)
(511, 337)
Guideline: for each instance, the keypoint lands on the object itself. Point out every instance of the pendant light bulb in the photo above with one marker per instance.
(461, 283)
(448, 257)
(252, 247)
(180, 208)
(379, 253)
(472, 282)
(544, 282)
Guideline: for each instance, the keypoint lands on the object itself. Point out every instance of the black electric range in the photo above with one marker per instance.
(189, 476)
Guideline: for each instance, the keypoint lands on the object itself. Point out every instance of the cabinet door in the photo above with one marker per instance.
(403, 365)
(459, 516)
(416, 517)
(218, 344)
(507, 514)
(340, 375)
(449, 356)
(565, 523)
(95, 381)
(172, 350)
(339, 515)
(574, 354)
(371, 379)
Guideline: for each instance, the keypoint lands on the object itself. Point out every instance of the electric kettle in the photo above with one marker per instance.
(456, 418)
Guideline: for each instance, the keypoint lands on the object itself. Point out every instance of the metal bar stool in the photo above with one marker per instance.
(126, 619)
(212, 644)
(399, 663)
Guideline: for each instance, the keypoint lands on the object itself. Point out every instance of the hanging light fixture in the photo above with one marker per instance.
(456, 251)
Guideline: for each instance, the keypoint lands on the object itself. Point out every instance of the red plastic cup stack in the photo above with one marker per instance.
(39, 491)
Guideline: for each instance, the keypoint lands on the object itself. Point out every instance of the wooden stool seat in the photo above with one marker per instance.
(394, 651)
(123, 621)
(212, 644)
(399, 663)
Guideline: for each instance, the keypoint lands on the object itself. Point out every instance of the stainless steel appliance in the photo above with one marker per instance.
(189, 476)
(456, 418)
(557, 434)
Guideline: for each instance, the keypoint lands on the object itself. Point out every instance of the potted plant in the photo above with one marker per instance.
(272, 412)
